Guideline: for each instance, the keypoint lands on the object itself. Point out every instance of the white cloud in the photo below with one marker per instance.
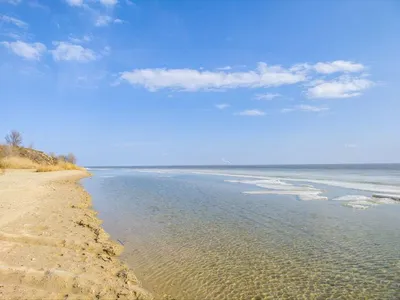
(268, 96)
(14, 21)
(305, 108)
(193, 80)
(84, 39)
(119, 21)
(342, 87)
(338, 66)
(106, 51)
(30, 51)
(75, 2)
(103, 21)
(13, 35)
(226, 68)
(13, 2)
(222, 105)
(70, 52)
(109, 2)
(251, 113)
(36, 4)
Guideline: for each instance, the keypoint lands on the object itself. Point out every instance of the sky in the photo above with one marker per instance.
(173, 82)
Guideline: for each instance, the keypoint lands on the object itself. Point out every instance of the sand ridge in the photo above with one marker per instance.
(52, 245)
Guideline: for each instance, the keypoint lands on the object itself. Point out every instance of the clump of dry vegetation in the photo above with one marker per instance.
(58, 167)
(14, 156)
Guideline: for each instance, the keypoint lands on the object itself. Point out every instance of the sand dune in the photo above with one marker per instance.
(52, 245)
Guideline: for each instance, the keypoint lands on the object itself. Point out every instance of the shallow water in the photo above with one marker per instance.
(196, 236)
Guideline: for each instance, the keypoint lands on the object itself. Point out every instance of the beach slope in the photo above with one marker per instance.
(52, 245)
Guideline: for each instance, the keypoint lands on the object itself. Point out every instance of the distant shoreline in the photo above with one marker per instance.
(283, 166)
(52, 243)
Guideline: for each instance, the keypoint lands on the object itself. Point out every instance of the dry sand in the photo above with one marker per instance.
(52, 245)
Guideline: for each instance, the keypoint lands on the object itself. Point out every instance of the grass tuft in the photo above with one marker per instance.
(60, 166)
(15, 162)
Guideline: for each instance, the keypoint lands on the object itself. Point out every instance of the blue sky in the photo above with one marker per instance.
(143, 82)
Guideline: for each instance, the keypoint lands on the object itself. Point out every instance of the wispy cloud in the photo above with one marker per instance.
(36, 4)
(13, 2)
(119, 21)
(74, 2)
(342, 87)
(83, 39)
(222, 105)
(65, 51)
(12, 35)
(109, 2)
(103, 21)
(14, 21)
(29, 51)
(226, 68)
(251, 113)
(106, 20)
(305, 108)
(106, 51)
(338, 66)
(267, 96)
(194, 80)
(81, 3)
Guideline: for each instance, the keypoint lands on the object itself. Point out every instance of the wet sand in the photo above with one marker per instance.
(52, 245)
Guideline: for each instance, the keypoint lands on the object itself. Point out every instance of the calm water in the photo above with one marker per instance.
(196, 234)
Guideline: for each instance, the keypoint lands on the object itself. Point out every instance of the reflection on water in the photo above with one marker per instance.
(198, 237)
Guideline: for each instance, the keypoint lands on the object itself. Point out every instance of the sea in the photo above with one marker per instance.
(255, 232)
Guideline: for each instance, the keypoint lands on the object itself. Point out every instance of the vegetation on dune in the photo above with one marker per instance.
(14, 156)
(14, 139)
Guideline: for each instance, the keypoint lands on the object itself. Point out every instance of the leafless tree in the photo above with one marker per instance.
(14, 138)
(62, 158)
(71, 158)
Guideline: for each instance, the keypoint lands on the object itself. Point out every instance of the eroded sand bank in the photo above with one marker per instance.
(52, 245)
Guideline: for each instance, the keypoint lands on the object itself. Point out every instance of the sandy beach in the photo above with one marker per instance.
(52, 245)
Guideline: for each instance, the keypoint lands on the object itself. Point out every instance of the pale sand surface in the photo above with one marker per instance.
(52, 245)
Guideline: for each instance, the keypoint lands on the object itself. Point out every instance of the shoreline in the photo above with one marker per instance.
(52, 244)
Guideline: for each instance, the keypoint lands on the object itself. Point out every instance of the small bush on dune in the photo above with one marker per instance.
(69, 166)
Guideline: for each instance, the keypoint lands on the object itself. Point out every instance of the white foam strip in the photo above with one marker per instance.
(303, 195)
(352, 198)
(378, 188)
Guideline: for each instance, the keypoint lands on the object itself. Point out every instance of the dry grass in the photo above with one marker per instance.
(60, 166)
(15, 162)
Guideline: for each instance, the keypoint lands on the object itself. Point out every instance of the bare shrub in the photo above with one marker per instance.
(62, 158)
(71, 158)
(14, 138)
